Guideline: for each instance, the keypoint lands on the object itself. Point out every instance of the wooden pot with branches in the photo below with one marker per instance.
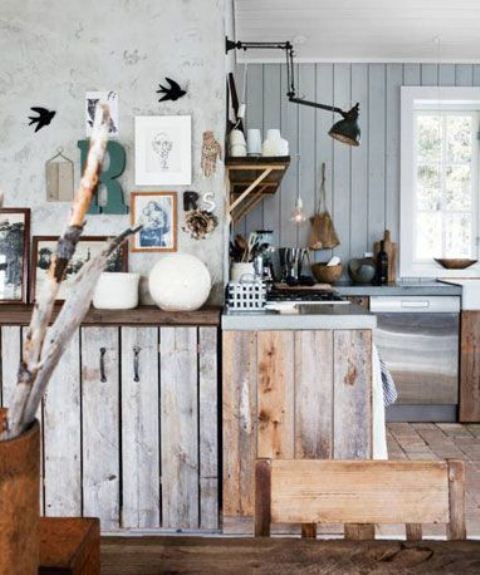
(43, 347)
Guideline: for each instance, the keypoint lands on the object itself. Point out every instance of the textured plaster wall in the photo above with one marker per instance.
(53, 51)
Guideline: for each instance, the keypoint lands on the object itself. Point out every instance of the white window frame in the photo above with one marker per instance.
(413, 100)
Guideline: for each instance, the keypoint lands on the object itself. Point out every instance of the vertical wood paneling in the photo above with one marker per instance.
(363, 184)
(306, 137)
(352, 398)
(341, 159)
(208, 419)
(62, 436)
(376, 152)
(275, 370)
(140, 449)
(239, 421)
(179, 427)
(359, 178)
(313, 394)
(101, 465)
(11, 353)
(255, 107)
(273, 94)
(288, 189)
(392, 149)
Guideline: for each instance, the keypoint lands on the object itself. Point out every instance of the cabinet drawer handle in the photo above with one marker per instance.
(136, 353)
(103, 377)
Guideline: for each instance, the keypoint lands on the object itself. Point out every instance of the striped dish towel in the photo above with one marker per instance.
(390, 394)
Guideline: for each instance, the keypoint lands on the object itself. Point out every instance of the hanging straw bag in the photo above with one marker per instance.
(323, 234)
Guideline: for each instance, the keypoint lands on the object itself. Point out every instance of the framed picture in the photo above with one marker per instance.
(14, 249)
(157, 213)
(91, 101)
(163, 150)
(44, 247)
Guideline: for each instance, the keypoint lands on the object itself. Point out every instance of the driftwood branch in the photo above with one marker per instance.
(42, 312)
(68, 320)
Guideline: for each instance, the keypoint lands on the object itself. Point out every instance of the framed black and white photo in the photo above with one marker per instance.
(91, 101)
(157, 213)
(163, 150)
(45, 246)
(14, 248)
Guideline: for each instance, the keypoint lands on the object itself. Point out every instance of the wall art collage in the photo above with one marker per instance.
(163, 157)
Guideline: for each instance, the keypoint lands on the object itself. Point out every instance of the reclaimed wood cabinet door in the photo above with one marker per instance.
(469, 411)
(101, 425)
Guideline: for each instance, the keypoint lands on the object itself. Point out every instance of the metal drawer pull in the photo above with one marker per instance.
(416, 304)
(136, 353)
(103, 377)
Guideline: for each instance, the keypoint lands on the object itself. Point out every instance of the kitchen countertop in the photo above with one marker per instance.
(312, 317)
(399, 288)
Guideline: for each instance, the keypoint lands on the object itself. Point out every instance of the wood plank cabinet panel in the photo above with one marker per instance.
(100, 399)
(352, 394)
(140, 427)
(62, 436)
(470, 367)
(179, 427)
(239, 421)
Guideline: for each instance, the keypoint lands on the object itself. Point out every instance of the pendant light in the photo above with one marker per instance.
(298, 216)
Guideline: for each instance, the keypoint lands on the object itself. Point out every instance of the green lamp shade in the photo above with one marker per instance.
(347, 129)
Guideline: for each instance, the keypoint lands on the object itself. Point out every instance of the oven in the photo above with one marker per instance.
(418, 338)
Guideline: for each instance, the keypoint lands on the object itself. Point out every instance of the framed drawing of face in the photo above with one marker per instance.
(88, 246)
(14, 253)
(157, 213)
(163, 150)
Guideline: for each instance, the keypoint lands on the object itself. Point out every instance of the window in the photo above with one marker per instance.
(440, 186)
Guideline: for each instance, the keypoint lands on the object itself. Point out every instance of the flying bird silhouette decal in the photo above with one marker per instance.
(43, 119)
(174, 92)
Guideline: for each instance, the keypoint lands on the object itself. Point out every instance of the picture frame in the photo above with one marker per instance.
(14, 254)
(163, 150)
(157, 212)
(44, 246)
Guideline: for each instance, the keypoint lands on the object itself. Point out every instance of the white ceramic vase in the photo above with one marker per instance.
(116, 290)
(242, 271)
(274, 145)
(179, 282)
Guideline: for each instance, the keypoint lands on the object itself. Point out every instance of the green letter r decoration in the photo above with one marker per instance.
(117, 156)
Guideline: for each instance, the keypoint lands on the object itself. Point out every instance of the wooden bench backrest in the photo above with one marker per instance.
(360, 492)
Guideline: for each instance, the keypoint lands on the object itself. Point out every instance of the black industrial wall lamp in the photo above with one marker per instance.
(346, 130)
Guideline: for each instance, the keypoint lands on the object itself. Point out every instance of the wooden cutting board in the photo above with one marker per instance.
(391, 251)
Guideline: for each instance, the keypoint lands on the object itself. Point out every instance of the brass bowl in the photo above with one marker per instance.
(455, 263)
(327, 274)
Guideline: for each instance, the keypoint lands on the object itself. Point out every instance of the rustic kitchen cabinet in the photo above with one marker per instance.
(130, 420)
(291, 394)
(470, 367)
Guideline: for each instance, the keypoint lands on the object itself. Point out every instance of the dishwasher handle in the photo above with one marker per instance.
(415, 304)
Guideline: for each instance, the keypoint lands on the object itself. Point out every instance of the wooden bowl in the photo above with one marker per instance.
(327, 274)
(455, 263)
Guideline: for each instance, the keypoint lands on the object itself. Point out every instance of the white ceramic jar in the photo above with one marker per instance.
(116, 290)
(274, 145)
(242, 271)
(179, 282)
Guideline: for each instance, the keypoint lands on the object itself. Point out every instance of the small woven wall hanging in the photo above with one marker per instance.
(322, 234)
(59, 176)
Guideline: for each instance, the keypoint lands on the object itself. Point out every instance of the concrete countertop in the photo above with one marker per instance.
(399, 288)
(324, 316)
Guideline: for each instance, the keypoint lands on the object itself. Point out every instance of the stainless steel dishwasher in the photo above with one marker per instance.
(418, 338)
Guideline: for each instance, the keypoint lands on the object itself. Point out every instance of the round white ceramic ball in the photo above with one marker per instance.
(179, 282)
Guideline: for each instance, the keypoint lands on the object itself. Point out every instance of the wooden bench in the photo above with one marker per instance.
(69, 546)
(360, 494)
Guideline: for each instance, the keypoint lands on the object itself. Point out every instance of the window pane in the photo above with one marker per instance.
(458, 236)
(428, 188)
(429, 131)
(429, 235)
(459, 139)
(458, 194)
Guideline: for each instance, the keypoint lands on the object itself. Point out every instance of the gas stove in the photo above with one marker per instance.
(284, 298)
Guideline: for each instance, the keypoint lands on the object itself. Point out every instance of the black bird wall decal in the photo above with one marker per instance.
(43, 119)
(174, 92)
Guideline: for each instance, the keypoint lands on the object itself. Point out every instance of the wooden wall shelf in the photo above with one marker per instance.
(19, 314)
(250, 180)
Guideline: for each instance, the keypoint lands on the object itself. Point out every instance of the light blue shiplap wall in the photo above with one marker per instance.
(363, 184)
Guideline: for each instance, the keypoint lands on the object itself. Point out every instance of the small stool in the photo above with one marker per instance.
(69, 546)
